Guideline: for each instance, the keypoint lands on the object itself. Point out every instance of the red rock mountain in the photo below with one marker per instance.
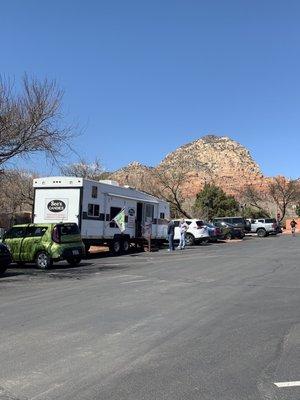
(222, 160)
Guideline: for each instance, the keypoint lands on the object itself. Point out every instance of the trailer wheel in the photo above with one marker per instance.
(125, 246)
(115, 247)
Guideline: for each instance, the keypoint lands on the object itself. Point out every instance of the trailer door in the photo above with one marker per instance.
(57, 205)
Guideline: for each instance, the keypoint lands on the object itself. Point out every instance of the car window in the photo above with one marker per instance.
(261, 220)
(68, 229)
(36, 231)
(188, 222)
(15, 232)
(270, 221)
(176, 224)
(237, 220)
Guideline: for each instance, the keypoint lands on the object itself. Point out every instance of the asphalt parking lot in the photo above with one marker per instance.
(211, 322)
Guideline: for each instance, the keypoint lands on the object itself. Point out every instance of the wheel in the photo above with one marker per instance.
(2, 269)
(74, 260)
(228, 236)
(43, 261)
(125, 246)
(115, 247)
(261, 232)
(189, 239)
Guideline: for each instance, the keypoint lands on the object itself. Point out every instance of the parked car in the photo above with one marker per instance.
(196, 233)
(229, 231)
(215, 232)
(265, 226)
(45, 243)
(238, 222)
(5, 258)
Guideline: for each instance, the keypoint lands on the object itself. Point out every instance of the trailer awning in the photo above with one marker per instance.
(133, 198)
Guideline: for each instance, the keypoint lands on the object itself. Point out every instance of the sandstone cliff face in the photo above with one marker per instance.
(222, 161)
(211, 159)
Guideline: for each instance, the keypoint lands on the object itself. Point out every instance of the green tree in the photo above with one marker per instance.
(252, 212)
(212, 202)
(297, 209)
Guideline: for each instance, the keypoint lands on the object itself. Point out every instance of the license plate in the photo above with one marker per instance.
(75, 252)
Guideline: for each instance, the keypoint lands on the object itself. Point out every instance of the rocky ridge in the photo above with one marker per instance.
(211, 159)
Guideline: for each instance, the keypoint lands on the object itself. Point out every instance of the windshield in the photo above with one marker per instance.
(68, 229)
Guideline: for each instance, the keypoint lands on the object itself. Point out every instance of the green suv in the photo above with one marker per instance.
(45, 243)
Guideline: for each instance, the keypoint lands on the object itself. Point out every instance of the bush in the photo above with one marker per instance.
(212, 202)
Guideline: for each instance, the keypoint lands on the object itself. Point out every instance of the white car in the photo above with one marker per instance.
(196, 233)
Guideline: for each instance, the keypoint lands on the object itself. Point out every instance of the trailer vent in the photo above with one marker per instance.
(109, 182)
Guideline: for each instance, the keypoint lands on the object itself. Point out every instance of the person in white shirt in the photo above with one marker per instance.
(183, 227)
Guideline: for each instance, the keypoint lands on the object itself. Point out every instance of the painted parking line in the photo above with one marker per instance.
(287, 384)
(136, 281)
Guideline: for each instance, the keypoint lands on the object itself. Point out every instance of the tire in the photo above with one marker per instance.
(261, 233)
(74, 260)
(116, 247)
(2, 269)
(189, 239)
(228, 236)
(125, 246)
(43, 261)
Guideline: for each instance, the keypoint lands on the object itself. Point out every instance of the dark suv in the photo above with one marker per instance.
(238, 222)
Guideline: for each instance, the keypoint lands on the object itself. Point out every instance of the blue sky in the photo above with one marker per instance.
(144, 77)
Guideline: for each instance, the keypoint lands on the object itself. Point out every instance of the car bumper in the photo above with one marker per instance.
(68, 252)
(72, 252)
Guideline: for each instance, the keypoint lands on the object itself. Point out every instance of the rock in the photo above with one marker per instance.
(211, 159)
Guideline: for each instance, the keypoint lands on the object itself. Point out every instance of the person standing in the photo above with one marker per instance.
(171, 231)
(183, 227)
(293, 225)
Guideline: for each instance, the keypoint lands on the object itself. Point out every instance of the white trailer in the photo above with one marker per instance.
(93, 205)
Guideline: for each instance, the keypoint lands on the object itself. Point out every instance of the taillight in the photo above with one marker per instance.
(55, 235)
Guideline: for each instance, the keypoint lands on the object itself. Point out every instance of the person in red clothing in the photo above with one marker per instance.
(293, 225)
